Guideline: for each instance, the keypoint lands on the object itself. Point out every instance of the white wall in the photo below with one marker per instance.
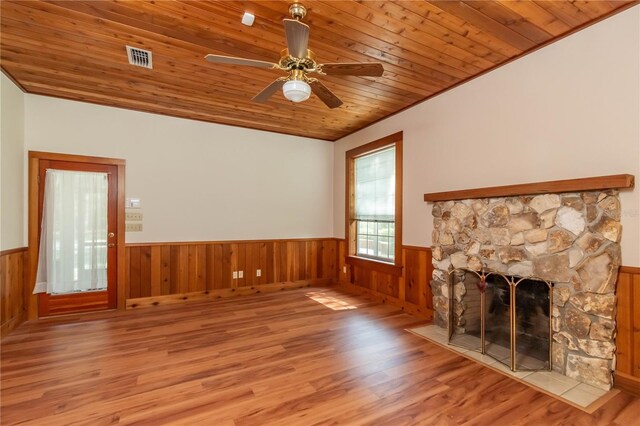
(11, 164)
(569, 110)
(197, 181)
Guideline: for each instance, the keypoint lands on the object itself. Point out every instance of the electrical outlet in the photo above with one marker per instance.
(241, 274)
(235, 275)
(133, 227)
(258, 272)
(133, 216)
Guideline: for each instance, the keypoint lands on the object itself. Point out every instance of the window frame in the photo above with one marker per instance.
(352, 258)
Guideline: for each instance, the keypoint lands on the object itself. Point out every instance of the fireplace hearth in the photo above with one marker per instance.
(503, 316)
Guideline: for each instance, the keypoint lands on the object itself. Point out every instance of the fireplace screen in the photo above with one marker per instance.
(497, 311)
(505, 317)
(465, 306)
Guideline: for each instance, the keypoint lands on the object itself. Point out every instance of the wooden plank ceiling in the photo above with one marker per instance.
(76, 50)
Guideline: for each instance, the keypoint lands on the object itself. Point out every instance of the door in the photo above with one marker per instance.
(77, 267)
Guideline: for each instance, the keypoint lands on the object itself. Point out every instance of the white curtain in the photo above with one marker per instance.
(73, 246)
(375, 178)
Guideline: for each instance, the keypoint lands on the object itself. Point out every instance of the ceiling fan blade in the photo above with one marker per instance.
(297, 35)
(372, 69)
(266, 93)
(220, 59)
(325, 95)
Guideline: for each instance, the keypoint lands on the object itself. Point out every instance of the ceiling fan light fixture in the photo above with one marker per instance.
(296, 90)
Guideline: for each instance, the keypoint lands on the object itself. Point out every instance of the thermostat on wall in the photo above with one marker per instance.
(133, 203)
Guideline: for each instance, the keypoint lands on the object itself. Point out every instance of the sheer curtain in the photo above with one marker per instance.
(73, 246)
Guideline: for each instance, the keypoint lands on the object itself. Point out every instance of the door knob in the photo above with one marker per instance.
(110, 245)
(111, 235)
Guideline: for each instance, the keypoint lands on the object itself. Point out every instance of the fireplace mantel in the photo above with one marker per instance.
(622, 181)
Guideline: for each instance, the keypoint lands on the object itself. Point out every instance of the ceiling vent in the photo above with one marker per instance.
(139, 57)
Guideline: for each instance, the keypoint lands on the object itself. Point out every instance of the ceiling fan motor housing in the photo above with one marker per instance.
(288, 62)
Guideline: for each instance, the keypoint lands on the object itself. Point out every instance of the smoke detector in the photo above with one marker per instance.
(248, 18)
(139, 57)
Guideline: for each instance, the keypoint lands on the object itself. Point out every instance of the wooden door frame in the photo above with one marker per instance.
(34, 244)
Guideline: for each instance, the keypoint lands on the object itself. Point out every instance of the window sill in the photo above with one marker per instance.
(376, 265)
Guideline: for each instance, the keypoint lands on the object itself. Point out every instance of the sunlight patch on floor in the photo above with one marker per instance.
(331, 302)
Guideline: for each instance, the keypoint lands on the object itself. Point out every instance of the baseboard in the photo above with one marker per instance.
(410, 308)
(11, 325)
(627, 383)
(171, 299)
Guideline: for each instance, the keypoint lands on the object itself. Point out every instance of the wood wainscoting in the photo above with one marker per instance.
(13, 288)
(410, 290)
(627, 375)
(163, 273)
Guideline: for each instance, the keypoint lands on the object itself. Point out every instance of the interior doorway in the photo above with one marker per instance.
(76, 233)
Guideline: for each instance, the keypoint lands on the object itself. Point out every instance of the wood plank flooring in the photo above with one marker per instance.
(301, 357)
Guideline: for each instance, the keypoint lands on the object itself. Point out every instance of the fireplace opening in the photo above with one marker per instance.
(504, 316)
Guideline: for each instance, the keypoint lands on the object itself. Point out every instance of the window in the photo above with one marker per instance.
(375, 186)
(374, 200)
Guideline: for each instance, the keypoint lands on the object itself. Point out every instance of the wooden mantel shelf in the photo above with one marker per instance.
(550, 187)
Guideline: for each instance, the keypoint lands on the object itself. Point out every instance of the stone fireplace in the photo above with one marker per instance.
(569, 239)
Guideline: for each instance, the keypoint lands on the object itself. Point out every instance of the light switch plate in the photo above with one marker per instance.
(235, 275)
(133, 227)
(258, 272)
(133, 216)
(241, 274)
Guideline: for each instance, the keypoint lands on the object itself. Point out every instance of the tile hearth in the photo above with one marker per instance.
(580, 395)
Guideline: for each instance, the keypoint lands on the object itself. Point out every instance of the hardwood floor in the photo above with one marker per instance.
(308, 356)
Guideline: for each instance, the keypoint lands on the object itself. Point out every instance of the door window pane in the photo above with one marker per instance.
(73, 243)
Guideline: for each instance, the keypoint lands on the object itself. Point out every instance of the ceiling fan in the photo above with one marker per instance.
(297, 60)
